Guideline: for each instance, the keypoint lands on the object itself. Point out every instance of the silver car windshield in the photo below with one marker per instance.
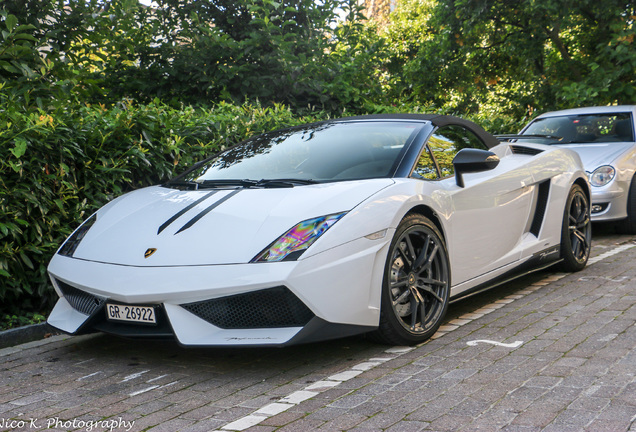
(323, 152)
(584, 128)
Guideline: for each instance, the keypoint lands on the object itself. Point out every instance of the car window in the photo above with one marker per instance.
(447, 141)
(425, 167)
(332, 151)
(587, 128)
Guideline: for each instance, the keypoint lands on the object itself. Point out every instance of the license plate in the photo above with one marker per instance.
(138, 314)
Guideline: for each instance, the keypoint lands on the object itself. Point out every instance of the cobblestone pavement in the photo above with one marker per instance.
(549, 352)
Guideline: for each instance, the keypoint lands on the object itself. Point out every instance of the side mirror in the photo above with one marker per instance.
(471, 160)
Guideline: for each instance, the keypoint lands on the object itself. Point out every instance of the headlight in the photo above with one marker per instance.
(293, 243)
(602, 175)
(68, 248)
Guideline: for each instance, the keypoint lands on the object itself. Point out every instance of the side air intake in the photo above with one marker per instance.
(542, 205)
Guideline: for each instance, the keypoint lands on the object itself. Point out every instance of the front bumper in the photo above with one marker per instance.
(337, 291)
(610, 202)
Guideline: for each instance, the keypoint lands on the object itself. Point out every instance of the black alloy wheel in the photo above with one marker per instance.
(416, 284)
(576, 234)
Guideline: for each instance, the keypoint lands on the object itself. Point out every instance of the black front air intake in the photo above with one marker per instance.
(81, 301)
(268, 308)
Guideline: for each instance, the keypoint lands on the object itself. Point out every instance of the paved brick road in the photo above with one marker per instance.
(568, 363)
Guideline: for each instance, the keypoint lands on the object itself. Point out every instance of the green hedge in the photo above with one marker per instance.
(56, 168)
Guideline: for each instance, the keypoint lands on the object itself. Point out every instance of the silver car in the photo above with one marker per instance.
(604, 139)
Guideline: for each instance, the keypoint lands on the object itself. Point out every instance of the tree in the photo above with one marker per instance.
(525, 55)
(212, 50)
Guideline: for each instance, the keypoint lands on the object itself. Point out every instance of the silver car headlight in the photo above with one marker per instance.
(602, 175)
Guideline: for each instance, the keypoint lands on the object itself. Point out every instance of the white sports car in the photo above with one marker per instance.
(360, 225)
(604, 139)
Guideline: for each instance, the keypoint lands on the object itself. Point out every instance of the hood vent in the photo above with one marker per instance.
(517, 149)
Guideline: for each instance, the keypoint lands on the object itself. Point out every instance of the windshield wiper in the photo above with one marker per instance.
(284, 182)
(227, 182)
(246, 183)
(182, 184)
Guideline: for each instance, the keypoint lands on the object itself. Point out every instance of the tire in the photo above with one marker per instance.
(628, 225)
(416, 284)
(576, 231)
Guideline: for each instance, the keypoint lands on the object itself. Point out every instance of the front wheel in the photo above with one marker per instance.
(416, 283)
(576, 232)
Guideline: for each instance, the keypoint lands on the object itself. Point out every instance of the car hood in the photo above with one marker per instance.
(210, 226)
(594, 155)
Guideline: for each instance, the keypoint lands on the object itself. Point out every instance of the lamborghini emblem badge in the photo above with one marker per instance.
(149, 252)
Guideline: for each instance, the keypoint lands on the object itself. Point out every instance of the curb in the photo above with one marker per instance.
(20, 335)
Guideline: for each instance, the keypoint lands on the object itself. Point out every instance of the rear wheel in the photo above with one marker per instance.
(416, 283)
(576, 232)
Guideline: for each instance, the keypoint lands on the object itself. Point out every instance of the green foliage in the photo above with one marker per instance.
(187, 52)
(353, 80)
(208, 51)
(25, 318)
(515, 57)
(23, 70)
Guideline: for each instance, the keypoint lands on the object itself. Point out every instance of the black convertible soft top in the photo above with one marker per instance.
(437, 120)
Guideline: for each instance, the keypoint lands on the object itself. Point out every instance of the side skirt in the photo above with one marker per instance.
(539, 261)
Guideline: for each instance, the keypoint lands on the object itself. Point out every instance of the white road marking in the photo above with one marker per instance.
(143, 391)
(383, 359)
(323, 385)
(365, 366)
(399, 350)
(608, 337)
(88, 376)
(298, 396)
(152, 387)
(158, 378)
(610, 253)
(245, 422)
(133, 376)
(273, 409)
(345, 376)
(589, 278)
(515, 344)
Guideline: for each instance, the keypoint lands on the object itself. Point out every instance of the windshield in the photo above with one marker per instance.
(313, 153)
(585, 128)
